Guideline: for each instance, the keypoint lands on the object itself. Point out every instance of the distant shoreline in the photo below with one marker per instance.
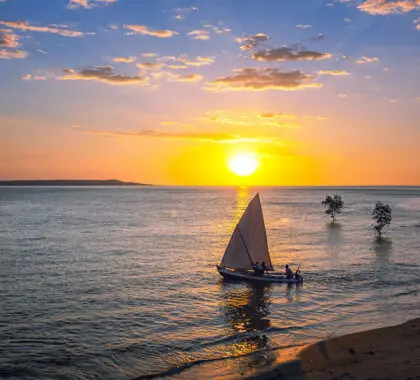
(71, 182)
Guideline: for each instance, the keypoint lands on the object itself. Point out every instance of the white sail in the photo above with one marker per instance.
(248, 243)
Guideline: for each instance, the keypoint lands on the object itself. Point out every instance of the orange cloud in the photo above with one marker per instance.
(177, 67)
(54, 29)
(256, 79)
(142, 29)
(11, 54)
(190, 78)
(273, 115)
(105, 74)
(385, 7)
(124, 59)
(253, 120)
(199, 34)
(8, 39)
(185, 135)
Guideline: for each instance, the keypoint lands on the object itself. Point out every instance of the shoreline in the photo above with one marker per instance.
(383, 353)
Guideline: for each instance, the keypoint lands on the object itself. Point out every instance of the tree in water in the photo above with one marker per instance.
(334, 205)
(382, 214)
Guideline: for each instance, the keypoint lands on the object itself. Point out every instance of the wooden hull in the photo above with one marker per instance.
(249, 276)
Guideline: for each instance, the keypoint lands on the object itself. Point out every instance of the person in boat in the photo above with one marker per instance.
(264, 267)
(289, 272)
(258, 269)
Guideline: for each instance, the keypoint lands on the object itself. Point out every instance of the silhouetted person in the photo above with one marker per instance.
(289, 273)
(264, 267)
(258, 270)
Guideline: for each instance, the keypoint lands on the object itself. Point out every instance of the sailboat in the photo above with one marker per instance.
(247, 246)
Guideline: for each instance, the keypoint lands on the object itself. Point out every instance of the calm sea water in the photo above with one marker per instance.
(120, 283)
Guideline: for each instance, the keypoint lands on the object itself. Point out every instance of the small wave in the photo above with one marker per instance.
(17, 373)
(413, 265)
(417, 225)
(182, 367)
(407, 293)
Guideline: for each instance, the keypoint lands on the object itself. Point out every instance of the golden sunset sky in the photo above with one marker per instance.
(167, 92)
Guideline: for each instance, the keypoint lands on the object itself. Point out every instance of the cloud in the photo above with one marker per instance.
(55, 29)
(148, 55)
(205, 59)
(257, 79)
(11, 54)
(33, 77)
(88, 4)
(385, 7)
(200, 61)
(217, 29)
(318, 37)
(154, 133)
(364, 60)
(124, 59)
(223, 138)
(303, 26)
(252, 120)
(162, 74)
(144, 30)
(251, 42)
(8, 39)
(180, 13)
(333, 72)
(203, 35)
(190, 78)
(274, 115)
(289, 53)
(184, 60)
(150, 65)
(417, 23)
(177, 67)
(105, 74)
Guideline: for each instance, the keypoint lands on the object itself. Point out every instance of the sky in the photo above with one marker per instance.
(167, 92)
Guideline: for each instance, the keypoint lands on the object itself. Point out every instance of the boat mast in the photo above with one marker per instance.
(246, 248)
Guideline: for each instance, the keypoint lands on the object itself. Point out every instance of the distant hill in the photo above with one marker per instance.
(71, 182)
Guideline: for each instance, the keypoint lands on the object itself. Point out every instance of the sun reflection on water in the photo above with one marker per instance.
(242, 200)
(246, 311)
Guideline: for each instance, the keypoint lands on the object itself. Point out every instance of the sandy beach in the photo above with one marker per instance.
(384, 353)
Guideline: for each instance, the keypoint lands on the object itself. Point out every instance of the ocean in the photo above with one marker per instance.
(121, 282)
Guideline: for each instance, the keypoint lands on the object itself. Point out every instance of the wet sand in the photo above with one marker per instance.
(385, 353)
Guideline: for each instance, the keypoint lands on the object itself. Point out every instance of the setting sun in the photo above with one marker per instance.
(243, 164)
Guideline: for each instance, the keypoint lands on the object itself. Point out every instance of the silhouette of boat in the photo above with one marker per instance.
(248, 246)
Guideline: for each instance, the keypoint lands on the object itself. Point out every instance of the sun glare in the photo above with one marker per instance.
(243, 164)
